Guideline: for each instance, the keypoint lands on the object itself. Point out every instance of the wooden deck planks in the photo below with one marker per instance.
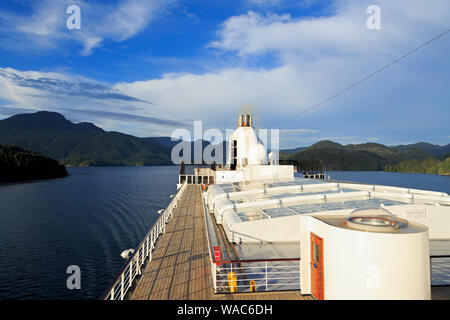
(180, 269)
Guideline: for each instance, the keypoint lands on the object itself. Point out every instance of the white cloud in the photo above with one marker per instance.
(46, 26)
(345, 138)
(264, 2)
(296, 131)
(128, 18)
(342, 33)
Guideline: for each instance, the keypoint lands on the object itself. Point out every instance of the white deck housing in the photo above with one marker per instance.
(270, 211)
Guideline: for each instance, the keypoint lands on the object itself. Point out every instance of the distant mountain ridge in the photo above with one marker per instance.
(85, 144)
(358, 157)
(433, 149)
(82, 144)
(292, 151)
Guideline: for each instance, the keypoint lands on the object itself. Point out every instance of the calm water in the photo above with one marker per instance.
(86, 219)
(90, 217)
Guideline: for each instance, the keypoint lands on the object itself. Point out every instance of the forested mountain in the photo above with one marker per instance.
(430, 165)
(356, 157)
(82, 144)
(17, 164)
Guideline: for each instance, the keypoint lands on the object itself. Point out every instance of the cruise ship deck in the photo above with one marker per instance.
(260, 232)
(180, 268)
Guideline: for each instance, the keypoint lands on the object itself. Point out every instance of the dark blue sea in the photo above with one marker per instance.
(90, 217)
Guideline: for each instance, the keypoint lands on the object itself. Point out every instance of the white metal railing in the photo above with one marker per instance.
(250, 275)
(257, 276)
(440, 270)
(123, 282)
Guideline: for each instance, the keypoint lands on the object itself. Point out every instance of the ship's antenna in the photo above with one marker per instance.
(365, 78)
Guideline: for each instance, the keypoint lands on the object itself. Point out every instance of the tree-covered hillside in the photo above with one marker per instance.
(82, 144)
(17, 164)
(430, 165)
(356, 157)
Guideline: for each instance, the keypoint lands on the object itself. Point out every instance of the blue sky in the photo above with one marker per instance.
(149, 67)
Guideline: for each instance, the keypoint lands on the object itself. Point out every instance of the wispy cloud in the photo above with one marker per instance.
(11, 110)
(264, 2)
(62, 85)
(296, 131)
(45, 27)
(126, 117)
(344, 138)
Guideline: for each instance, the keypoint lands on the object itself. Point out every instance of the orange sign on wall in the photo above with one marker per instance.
(317, 278)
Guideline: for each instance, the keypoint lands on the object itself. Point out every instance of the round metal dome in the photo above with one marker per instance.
(373, 219)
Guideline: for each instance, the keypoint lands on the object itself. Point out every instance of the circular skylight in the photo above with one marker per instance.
(373, 219)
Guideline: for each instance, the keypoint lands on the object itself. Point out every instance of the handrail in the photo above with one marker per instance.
(440, 256)
(440, 282)
(211, 254)
(144, 250)
(260, 275)
(257, 260)
(246, 275)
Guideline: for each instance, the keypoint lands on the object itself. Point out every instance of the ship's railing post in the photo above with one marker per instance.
(266, 277)
(150, 255)
(152, 241)
(142, 256)
(121, 287)
(138, 265)
(214, 273)
(164, 221)
(130, 275)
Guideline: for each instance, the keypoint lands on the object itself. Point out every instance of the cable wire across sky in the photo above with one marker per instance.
(365, 78)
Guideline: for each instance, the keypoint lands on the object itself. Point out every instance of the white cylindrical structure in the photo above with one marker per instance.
(368, 265)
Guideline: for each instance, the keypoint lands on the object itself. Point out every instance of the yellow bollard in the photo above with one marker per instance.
(252, 286)
(232, 282)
